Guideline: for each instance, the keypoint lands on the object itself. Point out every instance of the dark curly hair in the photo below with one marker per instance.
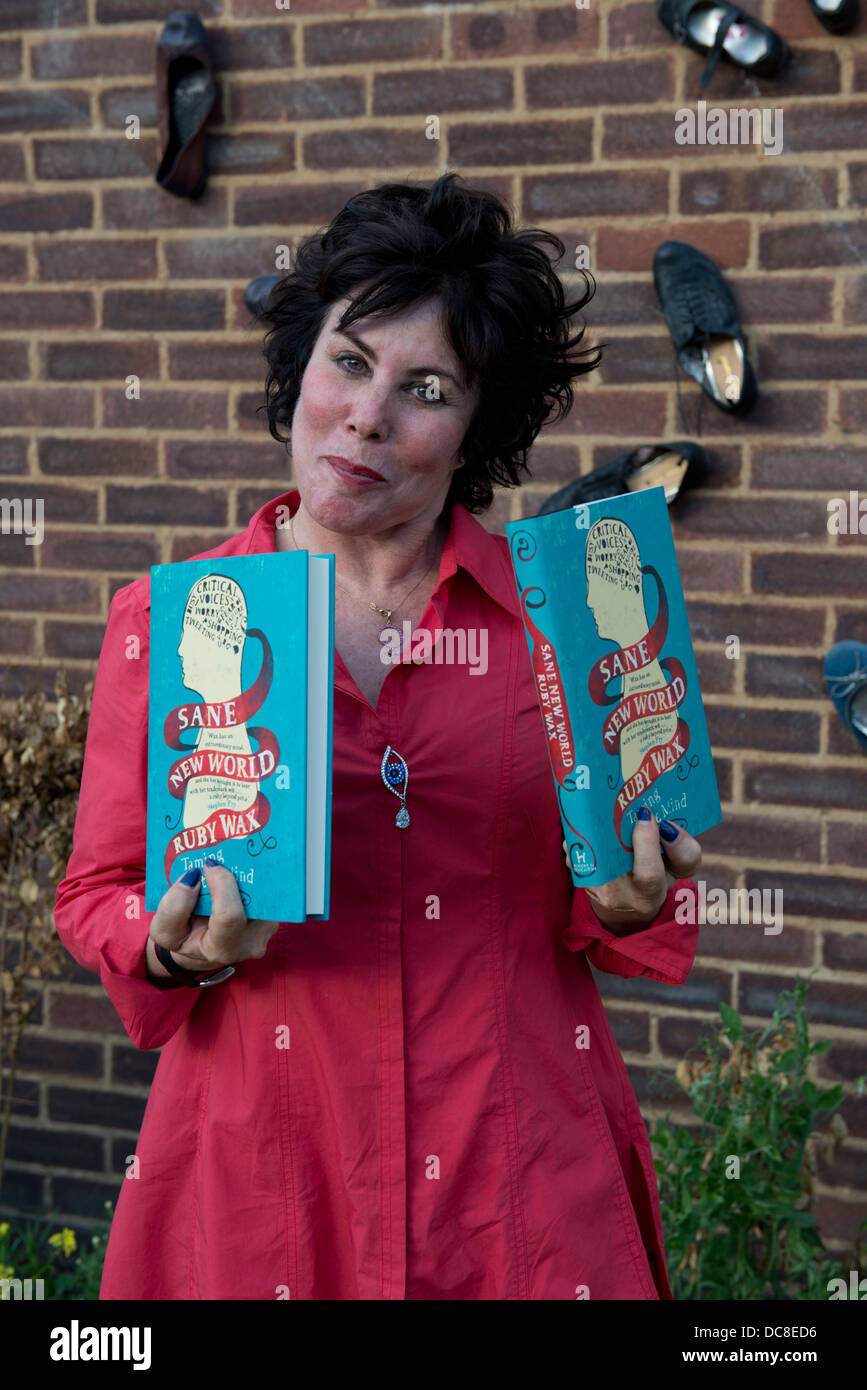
(505, 314)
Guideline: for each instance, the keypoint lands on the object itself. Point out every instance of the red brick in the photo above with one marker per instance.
(306, 99)
(785, 785)
(609, 82)
(755, 837)
(846, 843)
(95, 159)
(160, 505)
(519, 142)
(56, 108)
(522, 31)
(608, 412)
(226, 459)
(368, 146)
(166, 310)
(420, 91)
(99, 259)
(24, 212)
(701, 514)
(845, 950)
(803, 357)
(827, 469)
(810, 575)
(636, 26)
(603, 194)
(56, 59)
(853, 411)
(778, 188)
(733, 726)
(760, 624)
(789, 677)
(633, 248)
(372, 40)
(802, 245)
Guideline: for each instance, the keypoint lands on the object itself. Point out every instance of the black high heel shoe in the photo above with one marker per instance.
(724, 31)
(838, 16)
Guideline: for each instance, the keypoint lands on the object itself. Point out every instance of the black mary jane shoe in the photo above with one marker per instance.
(723, 30)
(704, 326)
(653, 465)
(186, 96)
(838, 16)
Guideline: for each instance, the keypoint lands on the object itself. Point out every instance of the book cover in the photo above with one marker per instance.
(618, 690)
(240, 713)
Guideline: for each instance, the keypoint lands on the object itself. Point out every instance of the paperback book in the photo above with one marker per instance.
(240, 721)
(616, 679)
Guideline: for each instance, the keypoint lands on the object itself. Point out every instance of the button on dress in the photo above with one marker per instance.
(421, 1097)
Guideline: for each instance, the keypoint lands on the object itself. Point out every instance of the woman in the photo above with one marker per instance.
(419, 1098)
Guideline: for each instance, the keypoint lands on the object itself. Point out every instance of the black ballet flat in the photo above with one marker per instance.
(653, 465)
(727, 31)
(838, 16)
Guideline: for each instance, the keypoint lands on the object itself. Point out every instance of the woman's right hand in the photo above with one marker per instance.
(208, 943)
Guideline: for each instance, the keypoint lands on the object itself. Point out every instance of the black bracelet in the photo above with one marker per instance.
(191, 977)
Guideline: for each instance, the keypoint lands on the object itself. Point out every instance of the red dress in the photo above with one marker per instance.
(432, 1130)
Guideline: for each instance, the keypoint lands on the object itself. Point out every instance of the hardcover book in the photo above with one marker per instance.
(240, 720)
(618, 690)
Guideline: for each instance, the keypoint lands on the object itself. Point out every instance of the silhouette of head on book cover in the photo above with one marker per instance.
(214, 632)
(615, 596)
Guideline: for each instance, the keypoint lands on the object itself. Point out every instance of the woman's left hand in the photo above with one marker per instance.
(633, 901)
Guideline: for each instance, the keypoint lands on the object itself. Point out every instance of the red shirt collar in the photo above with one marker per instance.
(468, 546)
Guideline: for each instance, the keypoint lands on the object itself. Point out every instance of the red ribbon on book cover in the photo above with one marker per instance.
(224, 823)
(641, 704)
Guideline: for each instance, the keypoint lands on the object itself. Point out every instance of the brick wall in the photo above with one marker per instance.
(569, 114)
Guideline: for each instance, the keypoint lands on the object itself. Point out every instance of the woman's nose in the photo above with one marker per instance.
(368, 411)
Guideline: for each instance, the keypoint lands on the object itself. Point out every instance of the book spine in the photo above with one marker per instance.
(545, 636)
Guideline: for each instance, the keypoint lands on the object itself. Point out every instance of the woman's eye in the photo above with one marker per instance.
(430, 400)
(345, 358)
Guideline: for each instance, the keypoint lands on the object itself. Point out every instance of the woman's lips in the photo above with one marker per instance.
(353, 473)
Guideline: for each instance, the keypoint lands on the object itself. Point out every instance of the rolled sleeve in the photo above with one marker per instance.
(99, 906)
(664, 950)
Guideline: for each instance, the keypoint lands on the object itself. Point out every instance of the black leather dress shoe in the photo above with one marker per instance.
(653, 465)
(838, 16)
(704, 325)
(724, 31)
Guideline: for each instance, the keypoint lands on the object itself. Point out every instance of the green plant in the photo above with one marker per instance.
(736, 1196)
(41, 759)
(68, 1270)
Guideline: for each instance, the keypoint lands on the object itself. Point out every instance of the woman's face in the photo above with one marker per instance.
(364, 399)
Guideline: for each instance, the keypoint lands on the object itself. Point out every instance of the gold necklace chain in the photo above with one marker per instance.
(384, 612)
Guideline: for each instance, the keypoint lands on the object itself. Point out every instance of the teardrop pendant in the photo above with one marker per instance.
(395, 776)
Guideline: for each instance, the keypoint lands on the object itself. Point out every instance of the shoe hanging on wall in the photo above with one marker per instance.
(652, 465)
(704, 325)
(186, 95)
(838, 16)
(846, 679)
(258, 293)
(724, 31)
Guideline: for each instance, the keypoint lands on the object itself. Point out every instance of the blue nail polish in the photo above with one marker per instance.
(667, 830)
(212, 860)
(191, 877)
(643, 813)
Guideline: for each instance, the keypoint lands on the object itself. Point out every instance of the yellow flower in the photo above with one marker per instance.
(7, 1272)
(64, 1240)
(4, 1228)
